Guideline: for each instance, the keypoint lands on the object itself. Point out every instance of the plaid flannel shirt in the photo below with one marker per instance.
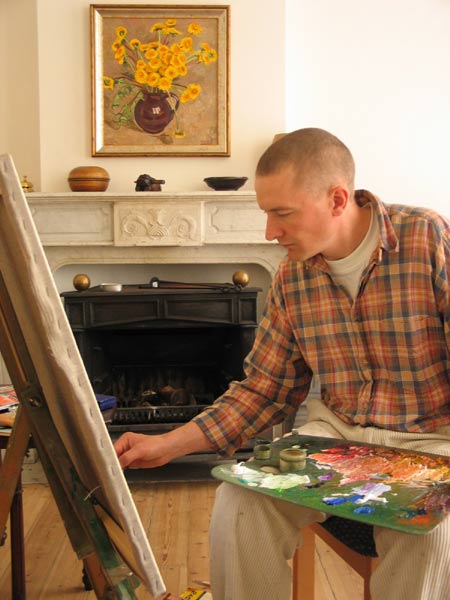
(382, 359)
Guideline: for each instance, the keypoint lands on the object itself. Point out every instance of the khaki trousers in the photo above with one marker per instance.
(253, 536)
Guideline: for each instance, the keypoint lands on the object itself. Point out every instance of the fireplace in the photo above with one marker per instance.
(165, 354)
(137, 235)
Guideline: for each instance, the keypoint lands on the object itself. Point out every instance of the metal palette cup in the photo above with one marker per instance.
(292, 459)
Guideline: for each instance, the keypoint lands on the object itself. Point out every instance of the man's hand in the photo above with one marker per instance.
(139, 451)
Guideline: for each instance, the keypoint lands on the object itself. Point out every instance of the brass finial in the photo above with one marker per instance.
(27, 186)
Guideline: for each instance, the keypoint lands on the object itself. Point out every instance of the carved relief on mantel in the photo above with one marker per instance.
(138, 225)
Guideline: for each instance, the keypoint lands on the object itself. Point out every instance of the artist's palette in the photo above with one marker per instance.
(399, 489)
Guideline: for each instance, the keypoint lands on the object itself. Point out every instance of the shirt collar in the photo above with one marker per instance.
(388, 237)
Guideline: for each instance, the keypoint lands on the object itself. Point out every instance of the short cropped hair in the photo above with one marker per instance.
(318, 158)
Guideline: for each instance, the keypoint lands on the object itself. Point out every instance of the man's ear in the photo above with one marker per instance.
(339, 197)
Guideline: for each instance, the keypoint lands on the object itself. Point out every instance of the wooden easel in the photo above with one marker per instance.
(58, 409)
(109, 576)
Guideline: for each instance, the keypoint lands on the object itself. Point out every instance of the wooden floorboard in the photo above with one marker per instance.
(176, 519)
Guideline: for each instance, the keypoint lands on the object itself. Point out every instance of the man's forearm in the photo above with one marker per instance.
(187, 439)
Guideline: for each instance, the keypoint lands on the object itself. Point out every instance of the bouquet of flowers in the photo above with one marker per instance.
(153, 82)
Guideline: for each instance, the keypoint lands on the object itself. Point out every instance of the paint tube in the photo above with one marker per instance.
(191, 594)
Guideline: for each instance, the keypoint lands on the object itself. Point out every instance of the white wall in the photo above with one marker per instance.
(376, 73)
(19, 100)
(3, 48)
(63, 95)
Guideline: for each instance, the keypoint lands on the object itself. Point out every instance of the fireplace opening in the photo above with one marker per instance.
(164, 354)
(164, 376)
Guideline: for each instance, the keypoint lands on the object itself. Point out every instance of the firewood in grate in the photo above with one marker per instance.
(149, 398)
(181, 397)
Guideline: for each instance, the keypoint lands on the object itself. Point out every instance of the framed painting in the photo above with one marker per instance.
(160, 80)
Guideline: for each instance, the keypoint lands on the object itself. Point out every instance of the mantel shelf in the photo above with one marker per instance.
(142, 196)
(153, 227)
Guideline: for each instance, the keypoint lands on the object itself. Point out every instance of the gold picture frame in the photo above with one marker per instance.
(160, 80)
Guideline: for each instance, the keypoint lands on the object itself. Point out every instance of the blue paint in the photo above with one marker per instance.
(364, 510)
(355, 497)
(334, 501)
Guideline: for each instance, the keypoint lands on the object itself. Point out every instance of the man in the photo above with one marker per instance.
(361, 301)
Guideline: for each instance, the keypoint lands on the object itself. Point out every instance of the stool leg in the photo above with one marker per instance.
(303, 567)
(371, 563)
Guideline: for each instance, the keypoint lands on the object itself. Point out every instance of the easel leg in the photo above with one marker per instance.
(11, 501)
(85, 529)
(12, 464)
(17, 545)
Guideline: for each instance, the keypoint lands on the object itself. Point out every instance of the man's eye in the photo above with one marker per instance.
(284, 213)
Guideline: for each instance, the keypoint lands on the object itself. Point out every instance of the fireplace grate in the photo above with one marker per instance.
(155, 414)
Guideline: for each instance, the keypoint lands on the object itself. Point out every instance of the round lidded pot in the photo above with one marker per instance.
(292, 459)
(88, 179)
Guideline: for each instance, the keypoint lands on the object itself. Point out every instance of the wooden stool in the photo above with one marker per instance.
(352, 541)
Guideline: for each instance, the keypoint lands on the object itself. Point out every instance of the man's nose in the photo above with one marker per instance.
(272, 230)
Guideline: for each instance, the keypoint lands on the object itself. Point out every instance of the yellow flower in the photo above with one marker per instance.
(186, 44)
(204, 58)
(194, 90)
(151, 53)
(140, 64)
(116, 44)
(194, 29)
(176, 48)
(153, 79)
(177, 60)
(171, 72)
(108, 83)
(140, 76)
(154, 64)
(182, 70)
(163, 49)
(121, 31)
(190, 93)
(171, 22)
(119, 55)
(172, 31)
(165, 84)
(157, 27)
(135, 43)
(207, 54)
(179, 133)
(166, 58)
(185, 97)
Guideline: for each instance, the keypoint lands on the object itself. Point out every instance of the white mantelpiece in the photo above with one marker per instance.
(158, 227)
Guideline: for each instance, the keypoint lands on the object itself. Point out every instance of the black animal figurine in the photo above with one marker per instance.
(145, 183)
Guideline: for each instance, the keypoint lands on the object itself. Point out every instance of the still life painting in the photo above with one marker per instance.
(159, 80)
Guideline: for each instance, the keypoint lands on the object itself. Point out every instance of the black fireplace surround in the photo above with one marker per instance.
(164, 354)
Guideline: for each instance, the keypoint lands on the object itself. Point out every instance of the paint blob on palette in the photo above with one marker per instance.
(403, 490)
